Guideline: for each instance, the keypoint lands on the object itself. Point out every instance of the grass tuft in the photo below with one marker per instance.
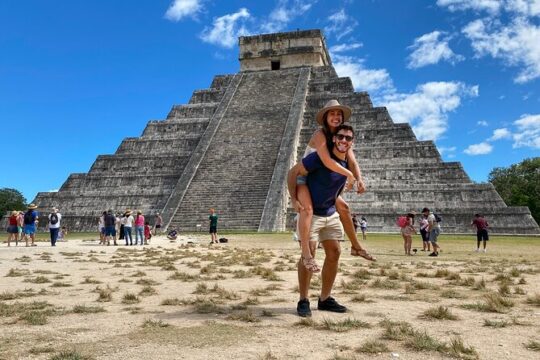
(438, 313)
(373, 347)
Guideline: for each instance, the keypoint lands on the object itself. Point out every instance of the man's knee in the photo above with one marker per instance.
(333, 253)
(307, 210)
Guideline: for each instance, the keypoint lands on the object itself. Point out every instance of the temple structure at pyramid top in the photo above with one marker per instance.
(231, 145)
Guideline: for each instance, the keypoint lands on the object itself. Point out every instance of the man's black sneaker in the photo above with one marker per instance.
(303, 309)
(433, 254)
(330, 304)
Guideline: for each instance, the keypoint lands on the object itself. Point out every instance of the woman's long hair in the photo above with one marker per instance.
(328, 134)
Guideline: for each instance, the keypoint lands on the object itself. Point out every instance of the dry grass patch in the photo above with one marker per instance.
(342, 325)
(38, 280)
(183, 276)
(71, 355)
(453, 294)
(361, 298)
(533, 345)
(60, 284)
(16, 272)
(496, 323)
(385, 284)
(372, 347)
(245, 316)
(84, 309)
(149, 323)
(208, 306)
(438, 313)
(130, 298)
(90, 280)
(6, 295)
(534, 300)
(148, 291)
(148, 282)
(493, 302)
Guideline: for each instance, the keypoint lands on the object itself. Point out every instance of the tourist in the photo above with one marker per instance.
(407, 231)
(147, 233)
(213, 226)
(158, 221)
(13, 232)
(481, 225)
(423, 222)
(31, 218)
(172, 234)
(433, 230)
(128, 224)
(54, 225)
(355, 222)
(62, 234)
(101, 228)
(20, 225)
(329, 117)
(363, 227)
(324, 187)
(139, 228)
(121, 218)
(110, 227)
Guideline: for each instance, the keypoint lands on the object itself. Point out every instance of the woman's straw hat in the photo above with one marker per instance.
(32, 207)
(331, 105)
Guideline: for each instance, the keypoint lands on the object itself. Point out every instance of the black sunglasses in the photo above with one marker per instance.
(346, 137)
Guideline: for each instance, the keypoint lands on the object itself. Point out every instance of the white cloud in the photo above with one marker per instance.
(377, 81)
(482, 123)
(518, 44)
(340, 25)
(183, 8)
(527, 133)
(284, 13)
(502, 133)
(448, 151)
(345, 47)
(53, 190)
(479, 149)
(226, 29)
(428, 49)
(427, 108)
(492, 6)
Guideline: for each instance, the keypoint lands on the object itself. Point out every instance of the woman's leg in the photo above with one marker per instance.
(346, 219)
(409, 244)
(404, 242)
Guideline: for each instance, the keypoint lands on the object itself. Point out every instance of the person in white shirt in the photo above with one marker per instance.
(54, 225)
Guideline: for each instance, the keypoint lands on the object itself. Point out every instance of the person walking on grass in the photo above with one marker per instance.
(482, 234)
(158, 221)
(13, 232)
(139, 227)
(423, 223)
(325, 186)
(31, 218)
(54, 225)
(433, 229)
(407, 232)
(213, 226)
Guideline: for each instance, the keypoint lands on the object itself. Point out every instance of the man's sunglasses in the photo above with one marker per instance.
(346, 137)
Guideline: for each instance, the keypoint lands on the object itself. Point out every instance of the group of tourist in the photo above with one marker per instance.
(134, 230)
(23, 225)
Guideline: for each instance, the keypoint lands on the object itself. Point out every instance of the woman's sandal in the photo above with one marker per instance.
(362, 253)
(310, 264)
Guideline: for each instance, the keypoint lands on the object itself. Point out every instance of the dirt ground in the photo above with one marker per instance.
(190, 300)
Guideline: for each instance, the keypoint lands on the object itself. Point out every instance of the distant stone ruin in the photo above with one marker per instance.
(231, 146)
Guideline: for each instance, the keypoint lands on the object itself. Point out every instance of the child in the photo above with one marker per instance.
(147, 233)
(62, 234)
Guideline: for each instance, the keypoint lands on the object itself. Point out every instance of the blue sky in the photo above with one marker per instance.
(76, 77)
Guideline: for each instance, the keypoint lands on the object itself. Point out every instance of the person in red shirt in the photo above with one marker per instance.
(481, 231)
(147, 233)
(12, 228)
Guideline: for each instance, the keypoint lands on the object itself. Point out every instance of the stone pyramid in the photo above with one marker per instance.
(231, 146)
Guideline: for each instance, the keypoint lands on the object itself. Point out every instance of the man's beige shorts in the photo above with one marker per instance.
(326, 228)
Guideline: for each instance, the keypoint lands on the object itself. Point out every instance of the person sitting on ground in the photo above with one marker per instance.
(172, 234)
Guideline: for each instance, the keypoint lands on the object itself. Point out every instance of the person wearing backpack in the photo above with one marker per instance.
(433, 229)
(54, 225)
(30, 220)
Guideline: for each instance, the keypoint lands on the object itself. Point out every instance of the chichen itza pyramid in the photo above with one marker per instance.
(231, 146)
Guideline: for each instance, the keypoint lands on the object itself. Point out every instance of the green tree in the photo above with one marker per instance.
(519, 185)
(11, 199)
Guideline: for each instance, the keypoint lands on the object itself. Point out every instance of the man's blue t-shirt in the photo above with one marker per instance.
(324, 184)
